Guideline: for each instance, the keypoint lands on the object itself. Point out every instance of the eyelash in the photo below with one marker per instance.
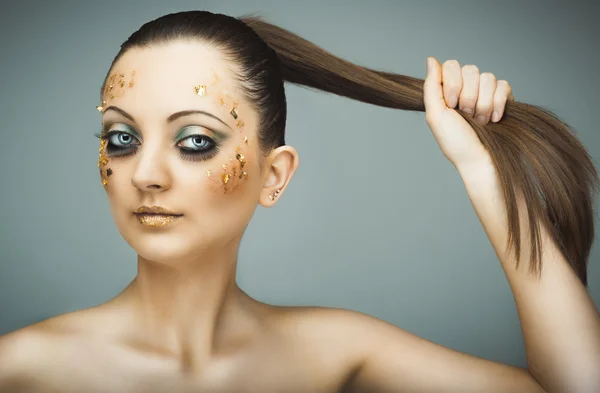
(186, 154)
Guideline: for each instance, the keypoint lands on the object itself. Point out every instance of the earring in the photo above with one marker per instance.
(274, 195)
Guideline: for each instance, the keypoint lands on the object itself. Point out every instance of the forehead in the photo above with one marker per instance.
(161, 78)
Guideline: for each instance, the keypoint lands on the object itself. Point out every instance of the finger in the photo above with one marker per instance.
(451, 82)
(500, 97)
(470, 88)
(485, 100)
(432, 89)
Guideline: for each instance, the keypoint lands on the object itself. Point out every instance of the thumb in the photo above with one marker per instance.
(432, 88)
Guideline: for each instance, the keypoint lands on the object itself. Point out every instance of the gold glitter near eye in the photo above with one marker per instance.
(246, 140)
(225, 178)
(224, 166)
(241, 159)
(200, 90)
(208, 172)
(243, 174)
(234, 113)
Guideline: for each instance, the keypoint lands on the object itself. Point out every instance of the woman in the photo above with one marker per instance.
(193, 111)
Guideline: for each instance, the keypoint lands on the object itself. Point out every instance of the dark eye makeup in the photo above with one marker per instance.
(192, 147)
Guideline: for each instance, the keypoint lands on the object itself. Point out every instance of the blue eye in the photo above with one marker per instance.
(200, 147)
(195, 147)
(118, 138)
(197, 142)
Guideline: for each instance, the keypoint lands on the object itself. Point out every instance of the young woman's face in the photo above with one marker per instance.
(202, 166)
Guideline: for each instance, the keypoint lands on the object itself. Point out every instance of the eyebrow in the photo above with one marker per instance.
(172, 117)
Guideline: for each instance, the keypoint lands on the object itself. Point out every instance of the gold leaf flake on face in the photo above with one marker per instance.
(208, 172)
(200, 90)
(240, 124)
(224, 166)
(246, 140)
(234, 113)
(225, 178)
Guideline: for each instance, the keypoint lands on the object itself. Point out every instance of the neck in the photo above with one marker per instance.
(190, 309)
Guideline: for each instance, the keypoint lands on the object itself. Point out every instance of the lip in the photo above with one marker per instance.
(155, 210)
(157, 220)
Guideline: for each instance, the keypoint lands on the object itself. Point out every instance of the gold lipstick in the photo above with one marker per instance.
(156, 216)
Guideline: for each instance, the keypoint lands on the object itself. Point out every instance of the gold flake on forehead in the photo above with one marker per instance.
(234, 112)
(115, 85)
(200, 90)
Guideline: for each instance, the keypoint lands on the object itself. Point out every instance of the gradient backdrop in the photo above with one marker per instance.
(376, 219)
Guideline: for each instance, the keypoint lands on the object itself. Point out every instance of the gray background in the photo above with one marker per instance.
(375, 220)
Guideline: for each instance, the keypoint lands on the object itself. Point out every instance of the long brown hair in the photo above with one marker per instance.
(533, 150)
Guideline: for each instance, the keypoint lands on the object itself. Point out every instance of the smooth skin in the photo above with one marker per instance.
(183, 325)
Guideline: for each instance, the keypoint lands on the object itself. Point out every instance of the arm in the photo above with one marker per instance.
(560, 323)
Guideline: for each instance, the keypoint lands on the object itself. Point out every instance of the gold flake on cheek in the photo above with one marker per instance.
(102, 161)
(208, 173)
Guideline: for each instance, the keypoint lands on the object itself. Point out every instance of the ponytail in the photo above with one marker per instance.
(531, 148)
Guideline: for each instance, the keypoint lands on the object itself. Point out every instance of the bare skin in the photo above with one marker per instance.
(183, 325)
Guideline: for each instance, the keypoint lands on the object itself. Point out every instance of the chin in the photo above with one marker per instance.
(161, 247)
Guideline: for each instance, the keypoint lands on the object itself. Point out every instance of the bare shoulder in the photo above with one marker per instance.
(21, 353)
(26, 352)
(377, 356)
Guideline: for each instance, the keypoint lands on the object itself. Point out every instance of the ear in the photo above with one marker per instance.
(282, 163)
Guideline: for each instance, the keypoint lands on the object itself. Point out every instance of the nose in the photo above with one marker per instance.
(151, 172)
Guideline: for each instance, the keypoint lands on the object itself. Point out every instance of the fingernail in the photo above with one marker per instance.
(495, 116)
(452, 102)
(469, 111)
(481, 119)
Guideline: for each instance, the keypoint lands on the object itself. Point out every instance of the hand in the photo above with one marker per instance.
(448, 85)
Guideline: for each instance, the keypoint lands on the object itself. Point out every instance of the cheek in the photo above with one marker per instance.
(229, 175)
